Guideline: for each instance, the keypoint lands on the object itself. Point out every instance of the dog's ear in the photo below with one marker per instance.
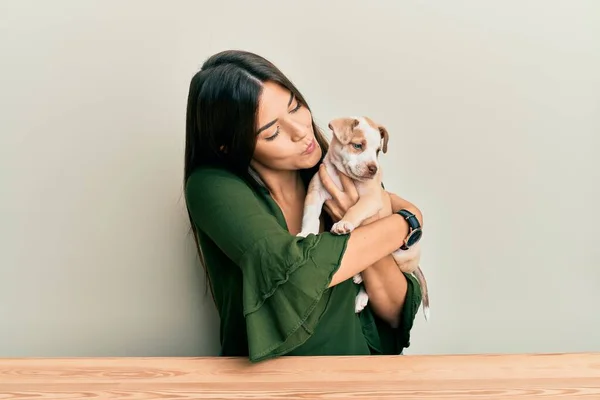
(385, 136)
(342, 128)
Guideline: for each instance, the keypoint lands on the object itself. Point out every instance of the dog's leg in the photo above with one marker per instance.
(361, 300)
(313, 204)
(408, 260)
(365, 207)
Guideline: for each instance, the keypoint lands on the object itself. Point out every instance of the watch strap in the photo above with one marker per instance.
(412, 220)
(413, 224)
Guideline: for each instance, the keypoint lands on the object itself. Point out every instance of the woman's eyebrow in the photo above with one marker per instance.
(267, 126)
(270, 124)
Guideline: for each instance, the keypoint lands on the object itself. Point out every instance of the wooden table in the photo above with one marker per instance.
(547, 376)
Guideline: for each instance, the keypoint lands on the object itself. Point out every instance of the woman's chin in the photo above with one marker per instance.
(303, 162)
(314, 158)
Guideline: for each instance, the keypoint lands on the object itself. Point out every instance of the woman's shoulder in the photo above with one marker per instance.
(209, 173)
(216, 179)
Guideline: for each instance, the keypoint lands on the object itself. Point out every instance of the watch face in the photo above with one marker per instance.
(414, 237)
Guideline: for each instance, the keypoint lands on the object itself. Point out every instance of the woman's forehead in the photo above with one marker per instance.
(274, 94)
(274, 100)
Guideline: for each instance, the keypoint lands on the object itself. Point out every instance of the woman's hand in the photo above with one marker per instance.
(341, 200)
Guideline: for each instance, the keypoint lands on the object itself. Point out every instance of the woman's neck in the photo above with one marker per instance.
(286, 187)
(288, 191)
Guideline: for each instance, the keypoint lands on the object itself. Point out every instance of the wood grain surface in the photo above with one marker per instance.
(528, 376)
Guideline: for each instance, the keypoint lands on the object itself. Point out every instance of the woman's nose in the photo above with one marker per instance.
(298, 129)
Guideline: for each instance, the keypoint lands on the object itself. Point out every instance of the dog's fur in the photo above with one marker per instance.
(354, 151)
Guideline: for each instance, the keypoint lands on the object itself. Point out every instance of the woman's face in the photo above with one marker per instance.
(285, 136)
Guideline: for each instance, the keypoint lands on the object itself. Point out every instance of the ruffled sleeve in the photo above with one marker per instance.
(284, 277)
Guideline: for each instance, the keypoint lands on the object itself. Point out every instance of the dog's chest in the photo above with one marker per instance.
(365, 188)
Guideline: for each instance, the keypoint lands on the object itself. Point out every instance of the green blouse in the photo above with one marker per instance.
(271, 287)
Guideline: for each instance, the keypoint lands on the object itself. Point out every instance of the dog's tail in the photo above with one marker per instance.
(424, 290)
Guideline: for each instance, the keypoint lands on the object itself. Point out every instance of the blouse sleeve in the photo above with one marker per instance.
(284, 276)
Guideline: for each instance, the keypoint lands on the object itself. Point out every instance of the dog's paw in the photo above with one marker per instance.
(360, 302)
(357, 279)
(342, 227)
(302, 234)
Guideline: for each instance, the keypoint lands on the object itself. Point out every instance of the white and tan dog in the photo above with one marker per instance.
(354, 152)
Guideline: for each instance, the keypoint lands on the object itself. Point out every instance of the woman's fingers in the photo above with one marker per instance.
(349, 187)
(329, 185)
(327, 208)
(341, 200)
(333, 210)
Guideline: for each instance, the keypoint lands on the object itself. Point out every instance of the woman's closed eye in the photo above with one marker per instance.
(292, 111)
(298, 106)
(274, 135)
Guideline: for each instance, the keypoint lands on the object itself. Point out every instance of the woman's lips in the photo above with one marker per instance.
(311, 147)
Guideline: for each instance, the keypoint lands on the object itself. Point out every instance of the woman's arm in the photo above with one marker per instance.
(366, 244)
(370, 243)
(385, 284)
(227, 210)
(283, 276)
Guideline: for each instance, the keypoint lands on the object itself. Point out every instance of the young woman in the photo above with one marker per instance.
(251, 148)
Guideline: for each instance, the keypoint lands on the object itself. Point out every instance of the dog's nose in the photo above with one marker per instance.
(372, 169)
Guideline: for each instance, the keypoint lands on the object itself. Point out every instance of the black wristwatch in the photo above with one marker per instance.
(414, 233)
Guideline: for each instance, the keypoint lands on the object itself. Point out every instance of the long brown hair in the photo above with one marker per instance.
(222, 110)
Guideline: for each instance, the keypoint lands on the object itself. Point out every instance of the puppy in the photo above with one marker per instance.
(354, 152)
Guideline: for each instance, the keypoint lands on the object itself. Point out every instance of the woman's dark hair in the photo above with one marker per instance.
(222, 113)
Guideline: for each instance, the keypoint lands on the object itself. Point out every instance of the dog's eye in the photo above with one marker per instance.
(357, 146)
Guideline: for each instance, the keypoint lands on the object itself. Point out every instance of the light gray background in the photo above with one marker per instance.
(494, 113)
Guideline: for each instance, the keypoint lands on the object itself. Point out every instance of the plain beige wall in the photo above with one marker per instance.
(494, 114)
